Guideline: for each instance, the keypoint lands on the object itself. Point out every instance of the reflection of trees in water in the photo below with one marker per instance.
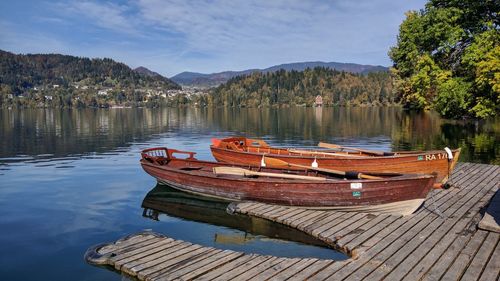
(307, 123)
(65, 132)
(478, 139)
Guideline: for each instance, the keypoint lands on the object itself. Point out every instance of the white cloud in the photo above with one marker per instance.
(212, 25)
(105, 15)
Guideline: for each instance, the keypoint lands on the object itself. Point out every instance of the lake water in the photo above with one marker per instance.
(70, 179)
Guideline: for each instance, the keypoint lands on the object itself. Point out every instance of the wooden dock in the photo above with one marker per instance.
(441, 241)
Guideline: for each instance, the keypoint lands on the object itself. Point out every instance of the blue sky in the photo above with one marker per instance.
(171, 36)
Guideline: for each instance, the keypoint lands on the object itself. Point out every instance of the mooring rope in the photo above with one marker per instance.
(435, 207)
(449, 157)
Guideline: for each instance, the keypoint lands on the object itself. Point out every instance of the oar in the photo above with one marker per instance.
(336, 146)
(280, 163)
(245, 173)
(298, 151)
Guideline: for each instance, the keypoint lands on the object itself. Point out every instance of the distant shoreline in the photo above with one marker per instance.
(207, 106)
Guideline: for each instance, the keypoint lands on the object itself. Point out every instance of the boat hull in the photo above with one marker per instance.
(405, 207)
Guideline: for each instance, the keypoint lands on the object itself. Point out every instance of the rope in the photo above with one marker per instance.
(436, 209)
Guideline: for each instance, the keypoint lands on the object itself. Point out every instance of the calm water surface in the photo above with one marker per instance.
(70, 178)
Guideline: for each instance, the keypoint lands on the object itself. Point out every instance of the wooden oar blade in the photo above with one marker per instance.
(274, 162)
(329, 145)
(230, 171)
(235, 171)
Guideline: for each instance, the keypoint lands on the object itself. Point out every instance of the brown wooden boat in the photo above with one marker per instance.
(393, 193)
(241, 150)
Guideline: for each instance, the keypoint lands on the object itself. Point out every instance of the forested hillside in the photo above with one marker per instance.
(215, 79)
(67, 80)
(447, 58)
(286, 88)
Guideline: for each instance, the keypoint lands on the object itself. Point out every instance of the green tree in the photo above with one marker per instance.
(447, 57)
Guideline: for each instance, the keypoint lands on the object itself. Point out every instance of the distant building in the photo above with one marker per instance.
(102, 93)
(318, 101)
(48, 97)
(55, 86)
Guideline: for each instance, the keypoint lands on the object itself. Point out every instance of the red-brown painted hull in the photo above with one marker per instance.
(428, 162)
(302, 193)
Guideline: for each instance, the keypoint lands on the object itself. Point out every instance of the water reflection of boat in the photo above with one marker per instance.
(163, 199)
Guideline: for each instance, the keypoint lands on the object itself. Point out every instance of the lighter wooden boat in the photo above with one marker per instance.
(392, 193)
(241, 150)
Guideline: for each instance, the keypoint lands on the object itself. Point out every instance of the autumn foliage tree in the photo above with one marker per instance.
(447, 58)
(288, 88)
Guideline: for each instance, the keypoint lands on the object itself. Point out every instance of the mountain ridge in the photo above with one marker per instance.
(188, 78)
(147, 72)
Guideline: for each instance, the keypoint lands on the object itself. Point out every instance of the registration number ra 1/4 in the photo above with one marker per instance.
(430, 157)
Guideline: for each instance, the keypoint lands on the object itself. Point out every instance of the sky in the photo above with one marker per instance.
(172, 36)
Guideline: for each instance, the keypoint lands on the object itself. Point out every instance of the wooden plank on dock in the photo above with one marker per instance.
(330, 216)
(282, 218)
(259, 262)
(229, 266)
(250, 273)
(365, 232)
(328, 272)
(331, 233)
(273, 270)
(126, 257)
(301, 265)
(328, 225)
(317, 219)
(200, 266)
(460, 264)
(125, 242)
(156, 263)
(311, 270)
(306, 219)
(191, 262)
(475, 268)
(492, 269)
